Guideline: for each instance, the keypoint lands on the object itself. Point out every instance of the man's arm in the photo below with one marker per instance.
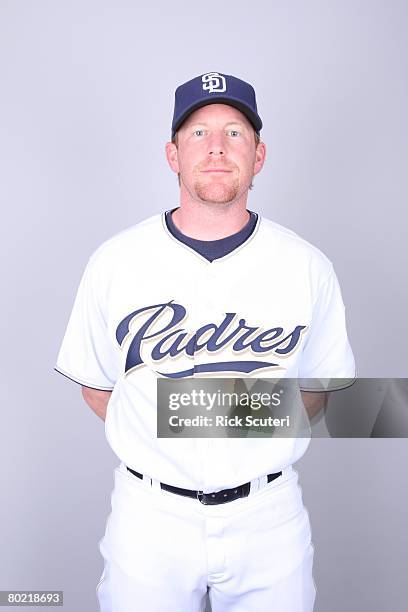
(314, 402)
(97, 400)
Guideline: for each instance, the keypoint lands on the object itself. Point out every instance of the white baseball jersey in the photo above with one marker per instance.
(149, 306)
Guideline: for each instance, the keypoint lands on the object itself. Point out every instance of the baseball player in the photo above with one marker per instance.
(207, 288)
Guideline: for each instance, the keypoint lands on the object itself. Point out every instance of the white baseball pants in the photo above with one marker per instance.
(162, 551)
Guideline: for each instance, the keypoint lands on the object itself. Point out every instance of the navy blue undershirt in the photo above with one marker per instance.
(213, 249)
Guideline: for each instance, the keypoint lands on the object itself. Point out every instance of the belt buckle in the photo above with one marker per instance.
(202, 497)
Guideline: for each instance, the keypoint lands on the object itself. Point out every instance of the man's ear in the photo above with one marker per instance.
(260, 155)
(172, 156)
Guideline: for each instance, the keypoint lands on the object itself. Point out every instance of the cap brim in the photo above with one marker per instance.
(252, 117)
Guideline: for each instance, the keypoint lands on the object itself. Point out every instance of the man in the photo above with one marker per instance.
(209, 288)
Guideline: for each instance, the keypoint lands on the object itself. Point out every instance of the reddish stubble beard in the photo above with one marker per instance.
(221, 188)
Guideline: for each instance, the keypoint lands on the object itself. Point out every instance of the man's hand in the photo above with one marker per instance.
(314, 402)
(97, 400)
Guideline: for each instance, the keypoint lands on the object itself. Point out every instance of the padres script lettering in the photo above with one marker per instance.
(176, 340)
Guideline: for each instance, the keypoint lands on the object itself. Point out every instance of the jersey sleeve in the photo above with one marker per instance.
(88, 354)
(327, 362)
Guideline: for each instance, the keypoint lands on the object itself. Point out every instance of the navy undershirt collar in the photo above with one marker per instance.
(213, 249)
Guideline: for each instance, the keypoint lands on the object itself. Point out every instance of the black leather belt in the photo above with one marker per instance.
(219, 497)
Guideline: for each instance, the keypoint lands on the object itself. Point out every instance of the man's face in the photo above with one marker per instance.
(216, 154)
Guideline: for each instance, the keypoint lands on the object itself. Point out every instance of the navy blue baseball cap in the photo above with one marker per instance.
(215, 88)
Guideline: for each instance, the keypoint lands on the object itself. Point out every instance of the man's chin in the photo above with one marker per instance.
(217, 194)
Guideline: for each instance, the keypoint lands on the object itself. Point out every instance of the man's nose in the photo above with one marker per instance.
(216, 145)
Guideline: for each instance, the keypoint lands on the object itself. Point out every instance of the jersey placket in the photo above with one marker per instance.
(206, 311)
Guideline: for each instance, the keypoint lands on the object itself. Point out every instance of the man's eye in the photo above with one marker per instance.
(233, 133)
(198, 132)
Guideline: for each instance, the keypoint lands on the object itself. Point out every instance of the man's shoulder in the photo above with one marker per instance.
(134, 237)
(290, 244)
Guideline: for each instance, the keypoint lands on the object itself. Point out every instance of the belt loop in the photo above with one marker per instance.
(263, 481)
(257, 484)
(254, 486)
(147, 481)
(155, 484)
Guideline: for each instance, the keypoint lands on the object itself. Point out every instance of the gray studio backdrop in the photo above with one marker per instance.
(85, 109)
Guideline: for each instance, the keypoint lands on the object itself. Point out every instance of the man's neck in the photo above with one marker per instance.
(210, 221)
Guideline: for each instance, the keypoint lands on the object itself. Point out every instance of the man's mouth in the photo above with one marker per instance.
(216, 170)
